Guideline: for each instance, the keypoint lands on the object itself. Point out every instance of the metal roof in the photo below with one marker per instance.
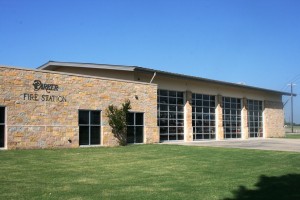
(52, 65)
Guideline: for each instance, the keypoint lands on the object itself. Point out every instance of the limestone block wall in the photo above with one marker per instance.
(49, 118)
(273, 117)
(244, 114)
(188, 126)
(219, 119)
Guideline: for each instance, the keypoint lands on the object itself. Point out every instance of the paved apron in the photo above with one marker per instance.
(276, 144)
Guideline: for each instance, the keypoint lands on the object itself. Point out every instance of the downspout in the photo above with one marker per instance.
(153, 77)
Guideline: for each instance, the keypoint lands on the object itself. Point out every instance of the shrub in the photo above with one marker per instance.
(117, 121)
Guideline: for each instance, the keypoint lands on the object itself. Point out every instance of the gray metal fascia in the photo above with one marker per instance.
(86, 65)
(211, 80)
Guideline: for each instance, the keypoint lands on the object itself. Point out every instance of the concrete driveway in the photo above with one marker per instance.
(276, 144)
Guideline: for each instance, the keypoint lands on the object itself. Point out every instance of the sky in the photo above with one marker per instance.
(256, 42)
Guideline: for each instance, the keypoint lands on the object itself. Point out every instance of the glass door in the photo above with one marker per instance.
(135, 128)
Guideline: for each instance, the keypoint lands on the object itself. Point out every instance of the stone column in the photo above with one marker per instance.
(219, 118)
(188, 127)
(273, 119)
(244, 119)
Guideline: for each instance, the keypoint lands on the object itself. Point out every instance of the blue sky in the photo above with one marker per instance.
(252, 41)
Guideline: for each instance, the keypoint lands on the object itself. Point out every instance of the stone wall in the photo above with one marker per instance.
(188, 126)
(49, 119)
(273, 119)
(219, 118)
(244, 118)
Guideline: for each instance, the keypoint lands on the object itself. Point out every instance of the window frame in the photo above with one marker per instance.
(89, 125)
(134, 125)
(4, 127)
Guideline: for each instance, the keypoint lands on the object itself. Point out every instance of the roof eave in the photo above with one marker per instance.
(53, 64)
(211, 80)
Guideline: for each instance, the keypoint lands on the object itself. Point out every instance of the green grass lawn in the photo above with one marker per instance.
(149, 172)
(292, 136)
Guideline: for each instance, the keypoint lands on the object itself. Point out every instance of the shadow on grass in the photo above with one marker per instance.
(267, 188)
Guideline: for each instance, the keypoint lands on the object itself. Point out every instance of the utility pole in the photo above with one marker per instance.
(292, 110)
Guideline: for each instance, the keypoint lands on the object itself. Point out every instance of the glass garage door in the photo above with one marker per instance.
(203, 116)
(170, 115)
(255, 119)
(231, 117)
(2, 127)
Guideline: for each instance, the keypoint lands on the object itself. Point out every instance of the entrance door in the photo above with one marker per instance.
(2, 127)
(135, 128)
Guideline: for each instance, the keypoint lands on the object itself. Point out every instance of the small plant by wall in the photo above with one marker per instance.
(117, 121)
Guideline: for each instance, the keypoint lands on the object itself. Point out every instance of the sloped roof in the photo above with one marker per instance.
(52, 65)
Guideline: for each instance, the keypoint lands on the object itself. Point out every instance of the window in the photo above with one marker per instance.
(89, 127)
(231, 117)
(255, 121)
(203, 116)
(2, 127)
(170, 115)
(135, 127)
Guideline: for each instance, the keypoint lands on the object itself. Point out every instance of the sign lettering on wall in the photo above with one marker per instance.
(38, 85)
